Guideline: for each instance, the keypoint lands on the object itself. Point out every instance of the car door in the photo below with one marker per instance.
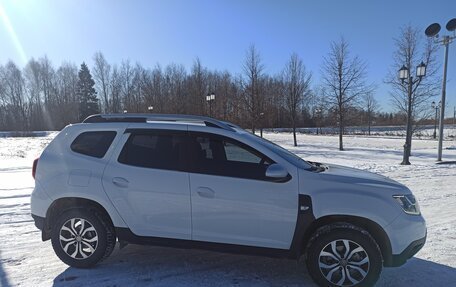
(232, 200)
(147, 181)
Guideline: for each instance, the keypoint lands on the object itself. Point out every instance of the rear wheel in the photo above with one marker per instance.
(81, 238)
(342, 254)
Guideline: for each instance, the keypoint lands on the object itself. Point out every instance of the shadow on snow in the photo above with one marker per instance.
(3, 277)
(159, 266)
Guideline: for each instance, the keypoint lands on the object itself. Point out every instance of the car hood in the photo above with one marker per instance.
(348, 175)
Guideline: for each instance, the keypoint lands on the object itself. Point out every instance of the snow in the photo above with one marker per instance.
(421, 132)
(27, 261)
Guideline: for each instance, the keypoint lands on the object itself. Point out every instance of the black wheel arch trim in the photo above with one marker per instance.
(307, 225)
(63, 204)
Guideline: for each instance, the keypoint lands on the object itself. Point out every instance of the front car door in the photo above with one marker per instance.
(232, 200)
(147, 182)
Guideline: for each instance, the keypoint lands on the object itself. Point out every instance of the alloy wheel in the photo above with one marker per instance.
(344, 262)
(78, 238)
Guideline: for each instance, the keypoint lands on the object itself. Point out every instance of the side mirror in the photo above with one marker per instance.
(278, 173)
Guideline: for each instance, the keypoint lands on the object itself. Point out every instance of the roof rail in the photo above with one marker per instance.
(144, 118)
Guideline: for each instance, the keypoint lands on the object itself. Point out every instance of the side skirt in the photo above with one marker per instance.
(125, 234)
(305, 218)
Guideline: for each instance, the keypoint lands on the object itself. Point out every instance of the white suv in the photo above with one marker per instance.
(196, 182)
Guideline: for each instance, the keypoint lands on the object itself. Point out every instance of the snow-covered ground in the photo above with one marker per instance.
(27, 261)
(421, 132)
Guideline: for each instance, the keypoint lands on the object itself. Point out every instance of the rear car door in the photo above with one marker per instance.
(232, 200)
(147, 182)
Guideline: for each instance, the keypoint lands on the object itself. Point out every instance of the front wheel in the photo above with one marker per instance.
(81, 238)
(342, 254)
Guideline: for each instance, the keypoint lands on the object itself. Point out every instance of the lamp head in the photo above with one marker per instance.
(403, 73)
(432, 30)
(421, 70)
(451, 25)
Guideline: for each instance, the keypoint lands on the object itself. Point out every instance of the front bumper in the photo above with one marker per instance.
(412, 249)
(407, 235)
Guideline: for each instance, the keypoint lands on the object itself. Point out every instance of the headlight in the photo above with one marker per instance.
(408, 203)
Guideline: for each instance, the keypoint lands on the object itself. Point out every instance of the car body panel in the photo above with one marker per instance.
(58, 162)
(244, 211)
(155, 202)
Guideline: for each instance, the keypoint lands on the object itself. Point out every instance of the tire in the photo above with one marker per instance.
(329, 263)
(81, 238)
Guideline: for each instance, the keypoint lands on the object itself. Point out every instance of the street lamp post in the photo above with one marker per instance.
(405, 76)
(210, 98)
(436, 107)
(433, 31)
(454, 117)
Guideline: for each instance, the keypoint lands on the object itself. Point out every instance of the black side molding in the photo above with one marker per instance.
(126, 235)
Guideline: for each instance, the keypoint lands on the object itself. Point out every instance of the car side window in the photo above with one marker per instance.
(94, 144)
(154, 149)
(236, 153)
(218, 155)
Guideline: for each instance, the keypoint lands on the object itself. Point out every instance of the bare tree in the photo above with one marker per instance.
(175, 76)
(115, 87)
(344, 79)
(296, 81)
(126, 76)
(198, 87)
(157, 89)
(47, 84)
(253, 70)
(224, 94)
(32, 76)
(102, 75)
(371, 107)
(412, 96)
(138, 84)
(12, 83)
(67, 99)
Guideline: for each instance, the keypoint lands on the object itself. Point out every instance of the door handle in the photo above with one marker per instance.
(205, 192)
(120, 182)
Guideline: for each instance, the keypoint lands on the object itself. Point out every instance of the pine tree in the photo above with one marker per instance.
(88, 101)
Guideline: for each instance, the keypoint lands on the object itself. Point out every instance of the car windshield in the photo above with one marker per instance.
(289, 156)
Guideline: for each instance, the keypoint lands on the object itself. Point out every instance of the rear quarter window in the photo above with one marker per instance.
(94, 144)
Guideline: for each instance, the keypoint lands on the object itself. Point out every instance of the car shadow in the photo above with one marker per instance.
(137, 265)
(419, 272)
(4, 282)
(159, 266)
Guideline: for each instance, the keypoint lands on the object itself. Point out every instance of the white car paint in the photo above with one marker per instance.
(245, 212)
(152, 202)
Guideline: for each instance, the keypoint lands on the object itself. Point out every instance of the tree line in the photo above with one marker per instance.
(40, 96)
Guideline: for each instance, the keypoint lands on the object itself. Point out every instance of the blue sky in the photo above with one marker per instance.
(218, 32)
